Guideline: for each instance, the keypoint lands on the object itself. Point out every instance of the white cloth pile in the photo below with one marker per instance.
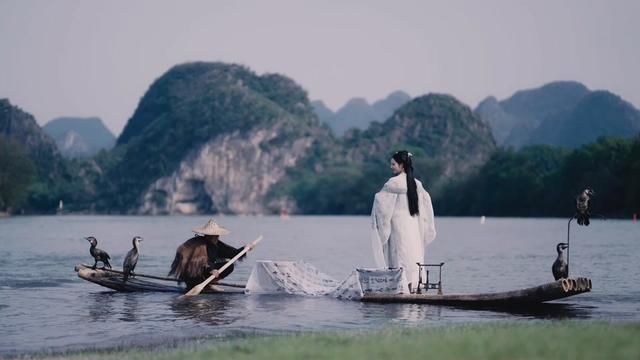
(300, 278)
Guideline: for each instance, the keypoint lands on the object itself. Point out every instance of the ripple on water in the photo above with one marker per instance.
(12, 284)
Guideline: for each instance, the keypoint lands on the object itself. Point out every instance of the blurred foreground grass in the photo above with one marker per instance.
(538, 340)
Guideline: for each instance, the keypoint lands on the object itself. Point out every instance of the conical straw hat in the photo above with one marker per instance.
(211, 228)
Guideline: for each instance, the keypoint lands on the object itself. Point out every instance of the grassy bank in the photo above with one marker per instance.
(557, 340)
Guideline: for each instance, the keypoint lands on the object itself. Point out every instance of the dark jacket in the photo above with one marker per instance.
(198, 256)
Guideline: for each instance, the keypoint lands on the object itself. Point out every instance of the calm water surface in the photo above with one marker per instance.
(45, 307)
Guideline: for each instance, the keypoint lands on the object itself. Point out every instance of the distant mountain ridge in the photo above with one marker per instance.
(80, 137)
(563, 113)
(357, 113)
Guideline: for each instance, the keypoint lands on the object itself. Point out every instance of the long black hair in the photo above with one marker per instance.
(403, 158)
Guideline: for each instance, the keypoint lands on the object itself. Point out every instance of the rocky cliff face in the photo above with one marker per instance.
(231, 174)
(72, 145)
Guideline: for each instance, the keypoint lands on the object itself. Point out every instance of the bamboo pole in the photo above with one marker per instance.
(568, 244)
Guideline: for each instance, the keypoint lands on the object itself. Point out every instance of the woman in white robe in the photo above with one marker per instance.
(402, 220)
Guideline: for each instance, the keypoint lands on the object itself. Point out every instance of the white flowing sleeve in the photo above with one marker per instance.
(383, 205)
(427, 221)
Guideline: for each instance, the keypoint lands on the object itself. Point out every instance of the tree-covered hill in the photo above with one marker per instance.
(598, 114)
(444, 135)
(542, 180)
(196, 104)
(51, 177)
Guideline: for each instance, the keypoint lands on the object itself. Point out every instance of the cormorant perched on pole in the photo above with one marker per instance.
(583, 207)
(560, 267)
(131, 260)
(98, 254)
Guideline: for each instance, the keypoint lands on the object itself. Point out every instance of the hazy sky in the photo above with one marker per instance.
(85, 58)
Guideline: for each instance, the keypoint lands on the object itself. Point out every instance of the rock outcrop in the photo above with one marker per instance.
(231, 174)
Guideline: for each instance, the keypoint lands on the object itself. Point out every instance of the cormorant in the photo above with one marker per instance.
(582, 206)
(560, 267)
(131, 260)
(98, 254)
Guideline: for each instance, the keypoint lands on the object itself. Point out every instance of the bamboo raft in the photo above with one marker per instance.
(534, 295)
(114, 279)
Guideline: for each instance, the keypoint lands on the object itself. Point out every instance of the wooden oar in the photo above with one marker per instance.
(196, 290)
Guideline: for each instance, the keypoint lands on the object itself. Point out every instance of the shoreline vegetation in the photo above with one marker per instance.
(513, 340)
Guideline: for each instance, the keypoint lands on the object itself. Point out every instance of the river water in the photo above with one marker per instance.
(45, 307)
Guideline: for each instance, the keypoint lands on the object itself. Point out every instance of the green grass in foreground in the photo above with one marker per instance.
(549, 340)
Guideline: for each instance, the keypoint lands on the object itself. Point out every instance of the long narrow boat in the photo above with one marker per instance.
(113, 279)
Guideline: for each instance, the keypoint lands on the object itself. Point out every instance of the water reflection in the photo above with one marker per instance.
(130, 307)
(274, 303)
(100, 306)
(403, 313)
(108, 305)
(414, 313)
(556, 311)
(209, 309)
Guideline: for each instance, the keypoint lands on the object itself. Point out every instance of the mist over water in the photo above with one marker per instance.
(44, 306)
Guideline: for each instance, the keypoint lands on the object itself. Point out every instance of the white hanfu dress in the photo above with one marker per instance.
(399, 239)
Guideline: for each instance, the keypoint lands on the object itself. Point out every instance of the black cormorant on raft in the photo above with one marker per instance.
(131, 260)
(98, 254)
(560, 268)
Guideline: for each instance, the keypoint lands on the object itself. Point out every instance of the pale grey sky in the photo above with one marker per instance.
(86, 58)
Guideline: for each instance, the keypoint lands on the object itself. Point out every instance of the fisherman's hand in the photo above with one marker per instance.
(215, 272)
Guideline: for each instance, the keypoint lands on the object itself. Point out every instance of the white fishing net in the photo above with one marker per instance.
(300, 278)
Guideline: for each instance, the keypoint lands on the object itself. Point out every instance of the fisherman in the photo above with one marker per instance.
(202, 255)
